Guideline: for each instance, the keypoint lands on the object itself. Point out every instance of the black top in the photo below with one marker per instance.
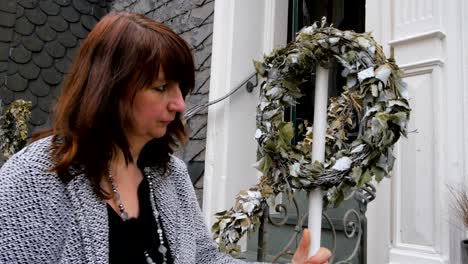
(128, 240)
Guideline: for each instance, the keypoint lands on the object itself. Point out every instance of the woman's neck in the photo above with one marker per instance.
(135, 144)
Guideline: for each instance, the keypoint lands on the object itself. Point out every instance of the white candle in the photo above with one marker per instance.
(318, 154)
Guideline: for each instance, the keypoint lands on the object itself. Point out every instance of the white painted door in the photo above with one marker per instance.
(411, 222)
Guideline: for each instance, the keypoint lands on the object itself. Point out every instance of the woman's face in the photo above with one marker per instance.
(154, 108)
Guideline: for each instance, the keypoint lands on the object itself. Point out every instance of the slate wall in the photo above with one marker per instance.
(38, 39)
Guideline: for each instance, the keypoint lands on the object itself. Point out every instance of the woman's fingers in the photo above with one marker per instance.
(300, 256)
(321, 257)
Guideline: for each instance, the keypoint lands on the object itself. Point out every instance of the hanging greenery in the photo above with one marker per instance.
(364, 122)
(14, 127)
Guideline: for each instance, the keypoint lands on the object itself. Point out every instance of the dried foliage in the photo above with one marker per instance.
(374, 101)
(460, 204)
(14, 127)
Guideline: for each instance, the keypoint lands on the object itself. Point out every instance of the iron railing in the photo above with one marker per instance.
(353, 225)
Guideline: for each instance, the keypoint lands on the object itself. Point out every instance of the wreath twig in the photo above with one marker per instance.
(364, 122)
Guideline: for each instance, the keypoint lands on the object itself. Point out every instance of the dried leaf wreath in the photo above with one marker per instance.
(364, 123)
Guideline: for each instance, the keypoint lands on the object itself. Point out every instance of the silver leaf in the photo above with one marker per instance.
(364, 74)
(342, 164)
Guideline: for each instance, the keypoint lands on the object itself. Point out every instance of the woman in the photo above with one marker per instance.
(102, 186)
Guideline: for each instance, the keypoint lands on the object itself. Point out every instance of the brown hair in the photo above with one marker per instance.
(121, 55)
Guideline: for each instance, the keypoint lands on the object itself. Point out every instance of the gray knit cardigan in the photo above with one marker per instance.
(43, 220)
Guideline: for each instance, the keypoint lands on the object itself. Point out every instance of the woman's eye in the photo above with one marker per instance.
(161, 88)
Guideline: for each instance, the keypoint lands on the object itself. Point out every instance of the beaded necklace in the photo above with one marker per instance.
(124, 215)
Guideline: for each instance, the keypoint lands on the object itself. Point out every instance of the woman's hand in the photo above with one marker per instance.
(300, 256)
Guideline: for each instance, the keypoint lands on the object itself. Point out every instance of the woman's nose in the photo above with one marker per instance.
(177, 103)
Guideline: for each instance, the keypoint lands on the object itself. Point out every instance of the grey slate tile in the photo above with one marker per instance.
(45, 103)
(102, 4)
(19, 11)
(23, 26)
(88, 22)
(49, 7)
(71, 52)
(3, 66)
(6, 94)
(54, 92)
(4, 50)
(55, 49)
(12, 68)
(7, 19)
(78, 30)
(16, 83)
(38, 117)
(98, 12)
(39, 87)
(8, 6)
(28, 3)
(63, 65)
(194, 149)
(29, 70)
(58, 23)
(70, 14)
(20, 54)
(42, 59)
(32, 42)
(15, 40)
(46, 33)
(51, 76)
(82, 6)
(63, 2)
(35, 16)
(6, 34)
(67, 39)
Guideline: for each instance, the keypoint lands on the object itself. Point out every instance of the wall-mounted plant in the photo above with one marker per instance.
(14, 127)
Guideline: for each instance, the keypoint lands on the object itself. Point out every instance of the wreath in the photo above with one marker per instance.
(363, 124)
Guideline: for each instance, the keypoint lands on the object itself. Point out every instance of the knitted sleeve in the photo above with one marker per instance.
(206, 249)
(31, 221)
